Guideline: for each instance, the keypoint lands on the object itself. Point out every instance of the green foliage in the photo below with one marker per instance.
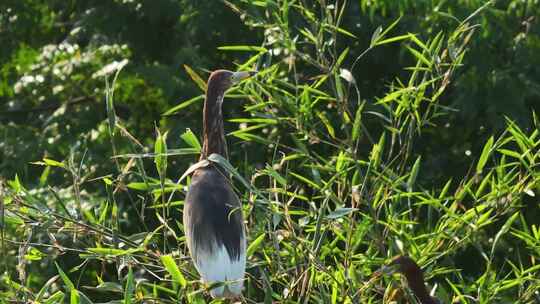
(373, 128)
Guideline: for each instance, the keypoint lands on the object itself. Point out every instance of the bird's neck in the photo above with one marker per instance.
(213, 134)
(416, 284)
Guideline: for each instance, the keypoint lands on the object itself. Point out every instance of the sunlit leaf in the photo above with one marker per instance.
(357, 122)
(375, 35)
(190, 139)
(183, 105)
(195, 77)
(130, 287)
(160, 150)
(173, 270)
(255, 245)
(486, 151)
(245, 48)
(340, 212)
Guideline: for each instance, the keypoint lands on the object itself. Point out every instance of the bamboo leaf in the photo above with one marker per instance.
(307, 33)
(45, 287)
(504, 229)
(390, 27)
(375, 36)
(74, 297)
(130, 287)
(109, 106)
(191, 140)
(273, 173)
(486, 151)
(57, 297)
(305, 180)
(327, 124)
(138, 186)
(195, 77)
(357, 122)
(182, 105)
(341, 160)
(53, 163)
(340, 30)
(224, 163)
(394, 39)
(340, 212)
(414, 173)
(419, 56)
(243, 48)
(255, 120)
(342, 57)
(334, 293)
(65, 278)
(170, 152)
(377, 151)
(172, 269)
(114, 251)
(109, 287)
(419, 43)
(255, 245)
(160, 150)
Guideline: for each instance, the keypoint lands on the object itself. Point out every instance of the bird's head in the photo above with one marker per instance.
(404, 265)
(415, 278)
(221, 80)
(401, 264)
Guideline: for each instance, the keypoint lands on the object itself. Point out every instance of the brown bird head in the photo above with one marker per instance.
(415, 277)
(213, 134)
(220, 80)
(406, 266)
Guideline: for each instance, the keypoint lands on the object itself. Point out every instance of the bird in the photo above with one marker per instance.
(213, 221)
(415, 278)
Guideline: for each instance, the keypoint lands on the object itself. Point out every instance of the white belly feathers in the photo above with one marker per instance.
(218, 266)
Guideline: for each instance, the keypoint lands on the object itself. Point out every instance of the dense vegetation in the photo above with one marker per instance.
(373, 128)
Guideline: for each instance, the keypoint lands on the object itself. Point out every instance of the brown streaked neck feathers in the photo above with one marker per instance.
(213, 134)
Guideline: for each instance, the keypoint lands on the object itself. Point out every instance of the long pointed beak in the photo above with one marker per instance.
(239, 76)
(387, 270)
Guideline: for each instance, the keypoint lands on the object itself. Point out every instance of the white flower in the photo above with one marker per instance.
(75, 31)
(48, 51)
(27, 79)
(347, 75)
(110, 68)
(17, 88)
(57, 89)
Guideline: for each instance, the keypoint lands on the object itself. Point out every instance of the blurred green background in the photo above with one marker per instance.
(61, 45)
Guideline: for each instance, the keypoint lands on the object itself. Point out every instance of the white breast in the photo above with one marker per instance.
(218, 266)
